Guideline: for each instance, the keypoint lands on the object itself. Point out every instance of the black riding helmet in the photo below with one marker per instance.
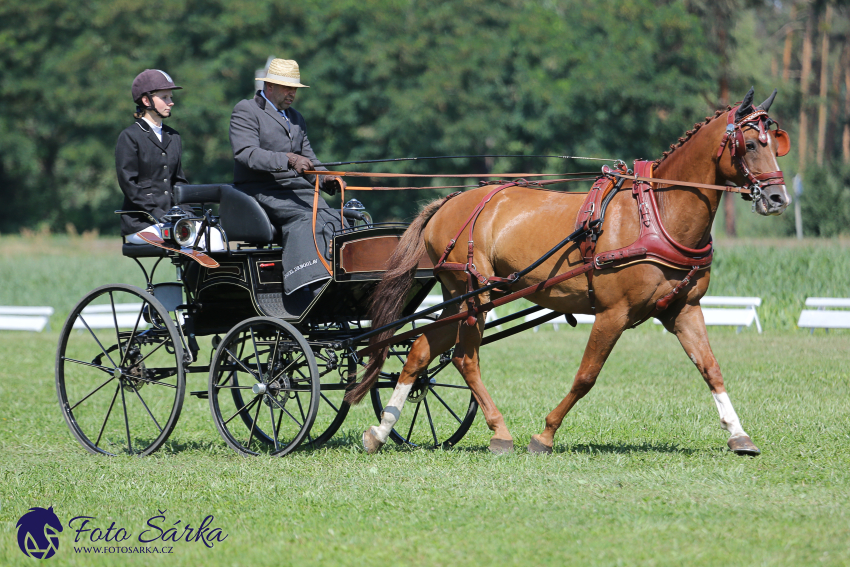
(148, 82)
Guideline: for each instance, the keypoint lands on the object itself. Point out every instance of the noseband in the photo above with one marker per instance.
(734, 137)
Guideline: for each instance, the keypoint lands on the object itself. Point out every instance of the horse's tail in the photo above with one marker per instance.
(388, 299)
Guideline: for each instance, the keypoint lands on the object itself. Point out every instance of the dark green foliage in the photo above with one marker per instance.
(389, 79)
(826, 201)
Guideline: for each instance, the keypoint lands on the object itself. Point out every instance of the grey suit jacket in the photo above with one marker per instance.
(260, 139)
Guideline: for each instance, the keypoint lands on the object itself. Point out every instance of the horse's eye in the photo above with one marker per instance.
(751, 145)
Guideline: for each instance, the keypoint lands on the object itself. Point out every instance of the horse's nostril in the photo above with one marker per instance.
(777, 198)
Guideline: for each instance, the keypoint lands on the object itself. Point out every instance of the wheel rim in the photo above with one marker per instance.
(119, 374)
(263, 373)
(438, 411)
(337, 372)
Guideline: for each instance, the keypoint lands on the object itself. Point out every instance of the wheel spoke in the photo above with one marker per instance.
(336, 409)
(126, 418)
(275, 402)
(105, 419)
(87, 396)
(301, 410)
(103, 368)
(430, 422)
(246, 407)
(257, 356)
(450, 386)
(445, 404)
(157, 383)
(413, 422)
(240, 363)
(288, 367)
(144, 358)
(97, 340)
(132, 335)
(253, 424)
(146, 407)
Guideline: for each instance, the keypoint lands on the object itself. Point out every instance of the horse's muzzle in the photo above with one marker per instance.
(773, 200)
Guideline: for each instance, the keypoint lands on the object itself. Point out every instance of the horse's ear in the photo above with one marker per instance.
(766, 104)
(746, 105)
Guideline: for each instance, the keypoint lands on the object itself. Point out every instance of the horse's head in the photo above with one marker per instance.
(753, 149)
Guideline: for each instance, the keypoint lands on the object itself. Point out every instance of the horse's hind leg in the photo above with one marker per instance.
(465, 359)
(689, 327)
(606, 331)
(424, 350)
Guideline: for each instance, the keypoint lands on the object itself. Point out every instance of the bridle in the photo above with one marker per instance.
(734, 138)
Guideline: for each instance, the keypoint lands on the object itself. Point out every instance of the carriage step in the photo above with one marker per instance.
(201, 394)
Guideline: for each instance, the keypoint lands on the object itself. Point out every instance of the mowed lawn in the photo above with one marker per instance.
(640, 474)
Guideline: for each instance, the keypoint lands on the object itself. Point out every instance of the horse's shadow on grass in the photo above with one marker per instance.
(351, 438)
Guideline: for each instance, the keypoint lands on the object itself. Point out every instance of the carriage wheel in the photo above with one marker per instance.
(337, 373)
(438, 411)
(119, 372)
(267, 368)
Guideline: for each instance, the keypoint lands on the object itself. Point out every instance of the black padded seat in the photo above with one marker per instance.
(242, 217)
(142, 251)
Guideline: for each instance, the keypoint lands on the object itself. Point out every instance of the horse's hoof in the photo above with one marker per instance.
(371, 443)
(501, 446)
(743, 445)
(536, 447)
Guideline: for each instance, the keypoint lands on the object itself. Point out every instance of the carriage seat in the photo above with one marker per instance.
(242, 217)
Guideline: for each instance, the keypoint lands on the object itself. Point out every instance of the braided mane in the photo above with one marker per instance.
(689, 134)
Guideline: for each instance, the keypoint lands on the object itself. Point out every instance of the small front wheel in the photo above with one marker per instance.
(264, 387)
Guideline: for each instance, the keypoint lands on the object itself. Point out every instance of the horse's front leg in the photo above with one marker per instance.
(603, 336)
(423, 351)
(689, 327)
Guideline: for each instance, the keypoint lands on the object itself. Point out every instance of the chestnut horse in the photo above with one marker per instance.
(520, 224)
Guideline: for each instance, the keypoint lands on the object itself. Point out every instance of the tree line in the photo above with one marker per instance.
(399, 78)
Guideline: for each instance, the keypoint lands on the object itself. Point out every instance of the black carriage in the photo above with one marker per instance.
(278, 366)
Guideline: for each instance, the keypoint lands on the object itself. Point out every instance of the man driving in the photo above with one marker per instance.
(271, 152)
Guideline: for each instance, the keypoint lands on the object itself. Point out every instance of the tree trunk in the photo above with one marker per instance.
(804, 91)
(728, 204)
(845, 138)
(789, 39)
(841, 63)
(824, 81)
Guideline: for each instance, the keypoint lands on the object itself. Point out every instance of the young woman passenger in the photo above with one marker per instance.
(148, 159)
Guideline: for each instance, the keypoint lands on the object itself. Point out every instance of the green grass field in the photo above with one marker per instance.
(640, 474)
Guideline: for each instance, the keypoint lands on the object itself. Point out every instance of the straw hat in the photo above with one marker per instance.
(283, 72)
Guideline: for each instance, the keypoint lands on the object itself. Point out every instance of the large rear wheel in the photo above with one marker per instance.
(267, 370)
(119, 372)
(438, 411)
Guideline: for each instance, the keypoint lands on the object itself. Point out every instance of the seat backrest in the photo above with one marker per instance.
(242, 217)
(185, 194)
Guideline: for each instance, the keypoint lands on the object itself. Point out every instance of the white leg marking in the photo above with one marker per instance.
(391, 412)
(728, 418)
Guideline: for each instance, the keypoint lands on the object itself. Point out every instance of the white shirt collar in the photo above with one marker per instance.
(279, 111)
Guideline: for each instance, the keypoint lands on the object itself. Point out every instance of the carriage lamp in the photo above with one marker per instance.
(179, 227)
(354, 210)
(185, 232)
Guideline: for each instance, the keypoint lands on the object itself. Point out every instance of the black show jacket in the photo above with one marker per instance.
(147, 170)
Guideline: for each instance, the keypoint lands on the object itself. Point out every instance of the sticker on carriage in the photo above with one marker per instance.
(160, 534)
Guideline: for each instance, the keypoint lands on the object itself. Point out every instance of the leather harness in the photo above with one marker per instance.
(654, 243)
